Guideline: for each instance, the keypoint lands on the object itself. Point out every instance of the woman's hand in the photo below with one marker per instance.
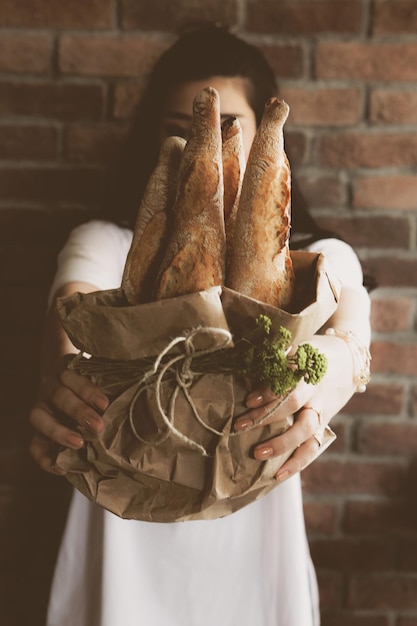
(312, 407)
(64, 395)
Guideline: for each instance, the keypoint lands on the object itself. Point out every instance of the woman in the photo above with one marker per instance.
(250, 567)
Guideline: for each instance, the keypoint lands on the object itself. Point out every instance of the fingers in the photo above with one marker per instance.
(305, 424)
(67, 402)
(260, 396)
(264, 414)
(43, 453)
(302, 457)
(75, 397)
(47, 426)
(74, 407)
(84, 389)
(265, 407)
(304, 438)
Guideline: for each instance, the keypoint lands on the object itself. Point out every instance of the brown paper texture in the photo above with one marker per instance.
(168, 451)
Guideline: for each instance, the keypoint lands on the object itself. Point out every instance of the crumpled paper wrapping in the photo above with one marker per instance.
(168, 451)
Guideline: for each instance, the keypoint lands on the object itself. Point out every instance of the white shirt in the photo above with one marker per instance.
(251, 567)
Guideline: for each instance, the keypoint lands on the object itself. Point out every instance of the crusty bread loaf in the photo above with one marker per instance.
(234, 163)
(260, 264)
(195, 255)
(152, 224)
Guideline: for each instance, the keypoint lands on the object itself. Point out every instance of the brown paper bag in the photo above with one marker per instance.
(168, 451)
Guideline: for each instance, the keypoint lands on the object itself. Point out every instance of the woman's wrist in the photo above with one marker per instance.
(360, 355)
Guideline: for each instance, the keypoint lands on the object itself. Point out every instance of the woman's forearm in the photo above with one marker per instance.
(353, 314)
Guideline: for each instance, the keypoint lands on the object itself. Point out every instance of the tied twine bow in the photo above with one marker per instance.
(260, 357)
(184, 376)
(181, 365)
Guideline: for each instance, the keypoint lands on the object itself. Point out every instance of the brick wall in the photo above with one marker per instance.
(70, 73)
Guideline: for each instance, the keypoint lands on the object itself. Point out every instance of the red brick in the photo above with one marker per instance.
(25, 308)
(331, 589)
(23, 264)
(29, 54)
(287, 17)
(390, 315)
(108, 56)
(407, 554)
(296, 146)
(383, 399)
(14, 460)
(93, 144)
(14, 352)
(374, 517)
(386, 591)
(367, 150)
(341, 428)
(353, 554)
(394, 358)
(346, 477)
(50, 184)
(370, 232)
(63, 101)
(46, 228)
(392, 271)
(387, 438)
(411, 490)
(30, 547)
(286, 61)
(350, 618)
(322, 191)
(126, 97)
(173, 16)
(50, 14)
(316, 106)
(367, 61)
(13, 381)
(29, 142)
(386, 192)
(393, 107)
(394, 17)
(414, 401)
(320, 517)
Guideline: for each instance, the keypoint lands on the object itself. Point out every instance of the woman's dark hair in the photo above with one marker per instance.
(197, 54)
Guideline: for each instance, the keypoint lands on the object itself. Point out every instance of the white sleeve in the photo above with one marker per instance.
(94, 253)
(342, 259)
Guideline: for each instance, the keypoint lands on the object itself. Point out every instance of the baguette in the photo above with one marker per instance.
(195, 255)
(234, 163)
(260, 264)
(152, 224)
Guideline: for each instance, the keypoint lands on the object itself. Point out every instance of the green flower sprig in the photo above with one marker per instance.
(271, 361)
(261, 357)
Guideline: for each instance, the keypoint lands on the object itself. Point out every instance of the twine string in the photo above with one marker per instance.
(184, 377)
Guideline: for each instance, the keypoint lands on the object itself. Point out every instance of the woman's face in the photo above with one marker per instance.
(178, 113)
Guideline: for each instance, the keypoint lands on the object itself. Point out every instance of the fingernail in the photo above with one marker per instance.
(254, 399)
(243, 424)
(282, 475)
(93, 423)
(74, 440)
(101, 402)
(263, 453)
